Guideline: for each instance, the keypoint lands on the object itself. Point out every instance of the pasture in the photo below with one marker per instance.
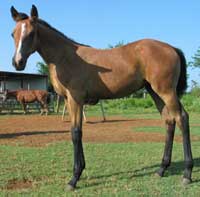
(122, 155)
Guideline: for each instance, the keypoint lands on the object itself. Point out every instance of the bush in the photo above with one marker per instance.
(128, 103)
(191, 103)
(195, 91)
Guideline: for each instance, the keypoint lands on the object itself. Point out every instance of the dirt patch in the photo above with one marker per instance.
(35, 130)
(16, 184)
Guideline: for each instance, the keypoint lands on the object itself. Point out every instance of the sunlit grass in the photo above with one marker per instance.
(112, 169)
(121, 169)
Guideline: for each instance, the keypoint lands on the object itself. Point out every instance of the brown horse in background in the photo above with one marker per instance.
(29, 96)
(84, 74)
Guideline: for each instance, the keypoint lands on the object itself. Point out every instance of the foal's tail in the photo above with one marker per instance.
(182, 82)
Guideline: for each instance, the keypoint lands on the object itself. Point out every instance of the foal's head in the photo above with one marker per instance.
(25, 36)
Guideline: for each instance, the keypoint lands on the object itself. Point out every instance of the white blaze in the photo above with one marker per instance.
(18, 55)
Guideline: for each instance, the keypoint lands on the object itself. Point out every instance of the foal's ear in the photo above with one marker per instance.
(34, 13)
(14, 14)
(17, 16)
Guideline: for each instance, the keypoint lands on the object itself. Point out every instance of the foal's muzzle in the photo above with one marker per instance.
(20, 65)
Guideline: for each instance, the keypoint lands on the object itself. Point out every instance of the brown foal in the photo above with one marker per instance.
(29, 96)
(83, 74)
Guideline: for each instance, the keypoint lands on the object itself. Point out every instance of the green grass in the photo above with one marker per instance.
(194, 130)
(112, 169)
(121, 169)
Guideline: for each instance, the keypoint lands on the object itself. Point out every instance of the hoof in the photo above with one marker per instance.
(186, 181)
(158, 175)
(70, 187)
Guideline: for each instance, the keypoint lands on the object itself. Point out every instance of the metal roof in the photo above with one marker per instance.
(6, 74)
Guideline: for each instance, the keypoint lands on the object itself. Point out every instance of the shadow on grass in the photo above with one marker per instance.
(14, 113)
(13, 135)
(112, 121)
(176, 168)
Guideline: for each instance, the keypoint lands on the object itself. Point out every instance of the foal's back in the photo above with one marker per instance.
(29, 96)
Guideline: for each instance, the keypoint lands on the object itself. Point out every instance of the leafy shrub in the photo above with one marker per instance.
(191, 103)
(195, 91)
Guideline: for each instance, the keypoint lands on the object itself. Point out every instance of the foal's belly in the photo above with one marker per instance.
(106, 88)
(26, 97)
(122, 91)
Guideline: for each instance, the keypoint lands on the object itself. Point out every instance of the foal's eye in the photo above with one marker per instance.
(12, 34)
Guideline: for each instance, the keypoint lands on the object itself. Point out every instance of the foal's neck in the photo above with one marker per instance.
(55, 48)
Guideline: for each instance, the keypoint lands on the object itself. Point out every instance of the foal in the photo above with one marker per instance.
(81, 73)
(29, 96)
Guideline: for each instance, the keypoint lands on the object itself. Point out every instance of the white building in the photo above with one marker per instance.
(26, 81)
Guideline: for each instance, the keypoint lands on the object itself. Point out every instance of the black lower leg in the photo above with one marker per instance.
(166, 161)
(187, 147)
(187, 154)
(79, 161)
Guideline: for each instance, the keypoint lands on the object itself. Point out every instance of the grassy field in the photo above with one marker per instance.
(121, 169)
(112, 169)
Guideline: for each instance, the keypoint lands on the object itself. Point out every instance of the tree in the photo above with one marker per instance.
(196, 59)
(195, 63)
(119, 44)
(44, 70)
(195, 89)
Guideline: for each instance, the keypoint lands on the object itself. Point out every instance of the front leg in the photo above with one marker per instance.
(76, 111)
(79, 160)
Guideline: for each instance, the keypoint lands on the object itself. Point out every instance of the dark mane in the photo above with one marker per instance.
(42, 22)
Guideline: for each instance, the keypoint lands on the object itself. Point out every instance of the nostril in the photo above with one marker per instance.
(21, 62)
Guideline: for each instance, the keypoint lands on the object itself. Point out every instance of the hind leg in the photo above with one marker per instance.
(170, 129)
(46, 110)
(181, 117)
(183, 123)
(41, 109)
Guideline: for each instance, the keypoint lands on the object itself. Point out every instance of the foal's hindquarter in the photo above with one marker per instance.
(81, 73)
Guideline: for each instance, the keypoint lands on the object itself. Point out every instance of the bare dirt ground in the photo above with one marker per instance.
(35, 130)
